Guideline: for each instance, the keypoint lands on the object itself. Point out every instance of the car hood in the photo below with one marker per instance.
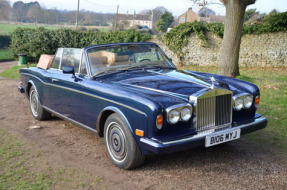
(168, 82)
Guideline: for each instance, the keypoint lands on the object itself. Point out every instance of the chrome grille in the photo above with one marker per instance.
(213, 111)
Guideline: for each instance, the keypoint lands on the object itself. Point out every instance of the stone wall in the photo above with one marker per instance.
(264, 50)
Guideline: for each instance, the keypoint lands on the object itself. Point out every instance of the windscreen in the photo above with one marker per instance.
(125, 56)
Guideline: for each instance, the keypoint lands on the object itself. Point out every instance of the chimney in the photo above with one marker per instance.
(190, 8)
(127, 13)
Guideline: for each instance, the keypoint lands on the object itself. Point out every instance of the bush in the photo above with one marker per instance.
(39, 41)
(177, 38)
(272, 23)
(216, 28)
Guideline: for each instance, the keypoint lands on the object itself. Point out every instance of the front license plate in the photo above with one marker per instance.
(215, 139)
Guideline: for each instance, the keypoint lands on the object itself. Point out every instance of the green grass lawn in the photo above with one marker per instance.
(13, 72)
(7, 29)
(5, 55)
(24, 168)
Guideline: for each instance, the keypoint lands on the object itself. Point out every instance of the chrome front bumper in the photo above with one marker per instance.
(156, 146)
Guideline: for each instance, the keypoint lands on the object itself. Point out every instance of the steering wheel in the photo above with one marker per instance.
(144, 60)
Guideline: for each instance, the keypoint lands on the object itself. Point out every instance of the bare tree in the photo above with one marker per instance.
(157, 12)
(35, 12)
(19, 10)
(125, 24)
(145, 12)
(235, 10)
(5, 10)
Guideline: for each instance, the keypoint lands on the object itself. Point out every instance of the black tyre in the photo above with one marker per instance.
(120, 144)
(37, 110)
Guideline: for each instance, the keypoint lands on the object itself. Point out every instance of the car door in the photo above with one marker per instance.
(65, 89)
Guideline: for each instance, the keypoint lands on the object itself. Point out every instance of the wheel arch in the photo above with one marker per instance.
(29, 85)
(105, 114)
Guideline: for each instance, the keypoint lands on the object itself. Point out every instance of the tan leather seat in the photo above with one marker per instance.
(107, 59)
(121, 59)
(97, 61)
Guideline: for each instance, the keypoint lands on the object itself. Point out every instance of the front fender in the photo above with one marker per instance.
(114, 110)
(129, 118)
(27, 88)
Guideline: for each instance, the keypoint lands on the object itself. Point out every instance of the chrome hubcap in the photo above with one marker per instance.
(115, 139)
(34, 102)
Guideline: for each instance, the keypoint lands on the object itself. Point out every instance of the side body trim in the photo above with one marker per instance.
(70, 120)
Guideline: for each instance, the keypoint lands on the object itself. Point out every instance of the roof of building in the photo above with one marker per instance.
(188, 11)
(134, 17)
(217, 18)
(209, 19)
(213, 18)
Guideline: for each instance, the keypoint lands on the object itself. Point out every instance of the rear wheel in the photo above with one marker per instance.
(120, 144)
(37, 110)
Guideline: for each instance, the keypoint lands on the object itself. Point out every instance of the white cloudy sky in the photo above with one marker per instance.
(177, 7)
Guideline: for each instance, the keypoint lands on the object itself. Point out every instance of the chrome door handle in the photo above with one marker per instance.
(55, 80)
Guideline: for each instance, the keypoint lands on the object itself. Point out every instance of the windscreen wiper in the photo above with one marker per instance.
(157, 67)
(106, 72)
(144, 67)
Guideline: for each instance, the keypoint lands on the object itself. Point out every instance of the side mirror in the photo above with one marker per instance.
(68, 70)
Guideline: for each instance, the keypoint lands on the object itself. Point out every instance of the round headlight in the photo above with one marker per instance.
(185, 114)
(248, 102)
(173, 116)
(238, 104)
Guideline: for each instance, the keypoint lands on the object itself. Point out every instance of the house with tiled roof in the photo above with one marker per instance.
(136, 19)
(188, 16)
(191, 16)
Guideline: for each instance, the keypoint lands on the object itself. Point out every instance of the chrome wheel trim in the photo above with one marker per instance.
(34, 103)
(116, 142)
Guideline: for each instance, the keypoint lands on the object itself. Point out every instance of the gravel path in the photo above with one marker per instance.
(6, 65)
(241, 164)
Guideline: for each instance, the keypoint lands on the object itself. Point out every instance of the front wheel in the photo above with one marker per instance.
(37, 110)
(120, 144)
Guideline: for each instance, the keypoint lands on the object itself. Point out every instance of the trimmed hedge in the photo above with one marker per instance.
(39, 41)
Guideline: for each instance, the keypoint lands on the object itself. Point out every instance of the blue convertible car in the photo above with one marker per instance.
(133, 95)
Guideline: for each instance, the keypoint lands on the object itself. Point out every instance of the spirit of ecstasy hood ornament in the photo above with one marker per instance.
(212, 82)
